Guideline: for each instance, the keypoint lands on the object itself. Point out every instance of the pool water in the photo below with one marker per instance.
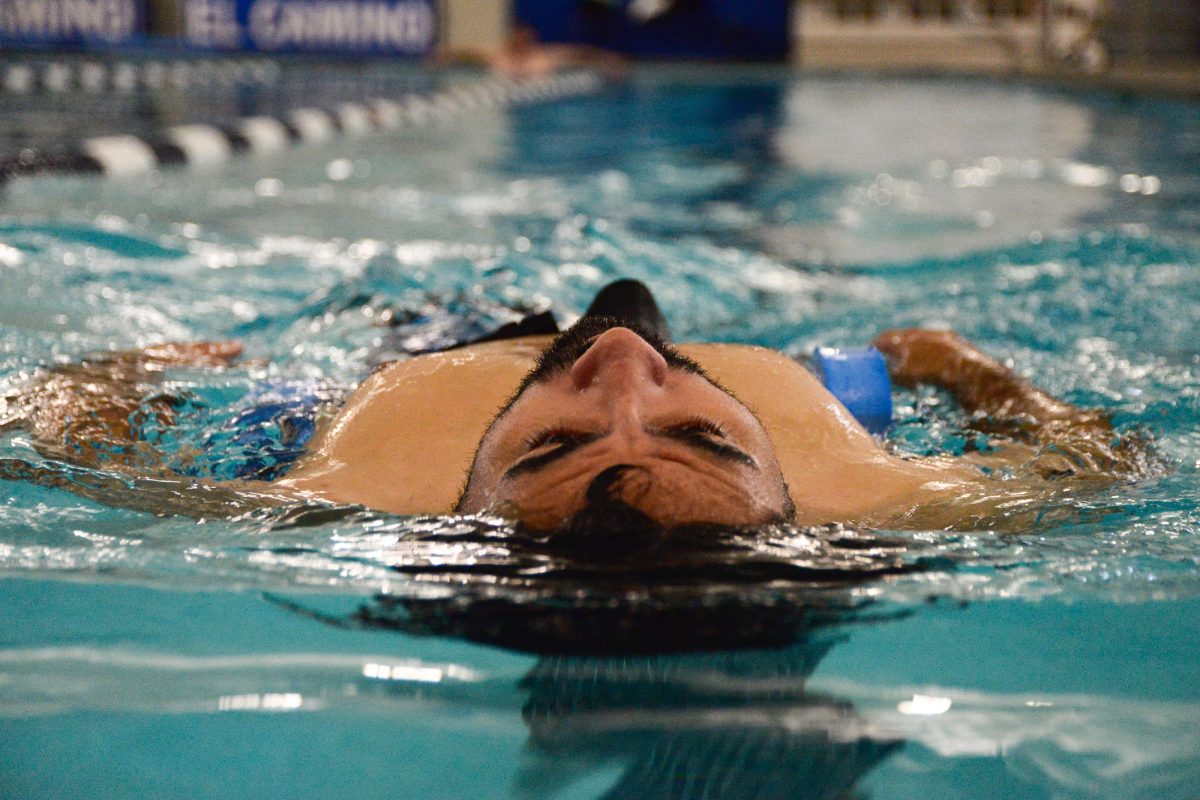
(336, 653)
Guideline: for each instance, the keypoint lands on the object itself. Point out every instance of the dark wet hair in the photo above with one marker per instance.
(616, 583)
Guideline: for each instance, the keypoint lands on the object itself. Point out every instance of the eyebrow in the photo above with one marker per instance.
(720, 450)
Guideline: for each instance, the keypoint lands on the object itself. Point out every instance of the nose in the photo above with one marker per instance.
(620, 360)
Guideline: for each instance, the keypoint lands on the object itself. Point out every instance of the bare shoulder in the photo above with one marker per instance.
(777, 388)
(834, 468)
(404, 440)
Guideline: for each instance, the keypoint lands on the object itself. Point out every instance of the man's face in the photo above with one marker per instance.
(603, 396)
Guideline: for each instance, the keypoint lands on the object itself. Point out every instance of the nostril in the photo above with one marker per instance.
(622, 354)
(584, 371)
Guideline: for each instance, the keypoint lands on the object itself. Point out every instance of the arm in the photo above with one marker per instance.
(93, 415)
(1067, 440)
(980, 383)
(613, 65)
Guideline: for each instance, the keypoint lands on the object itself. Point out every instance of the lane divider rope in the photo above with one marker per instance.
(199, 145)
(96, 77)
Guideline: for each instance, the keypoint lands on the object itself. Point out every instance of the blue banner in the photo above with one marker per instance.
(743, 30)
(71, 22)
(349, 27)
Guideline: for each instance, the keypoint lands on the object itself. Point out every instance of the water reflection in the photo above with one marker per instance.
(728, 725)
(692, 683)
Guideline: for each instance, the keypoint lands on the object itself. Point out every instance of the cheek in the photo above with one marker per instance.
(482, 482)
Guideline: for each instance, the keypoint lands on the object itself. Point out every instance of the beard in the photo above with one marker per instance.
(572, 343)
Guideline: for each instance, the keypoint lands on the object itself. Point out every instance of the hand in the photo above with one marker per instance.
(177, 354)
(92, 412)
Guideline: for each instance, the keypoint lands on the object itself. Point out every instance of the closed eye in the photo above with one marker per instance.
(554, 436)
(696, 433)
(561, 443)
(697, 425)
(706, 435)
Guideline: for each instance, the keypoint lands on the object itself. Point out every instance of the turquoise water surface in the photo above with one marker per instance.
(308, 653)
